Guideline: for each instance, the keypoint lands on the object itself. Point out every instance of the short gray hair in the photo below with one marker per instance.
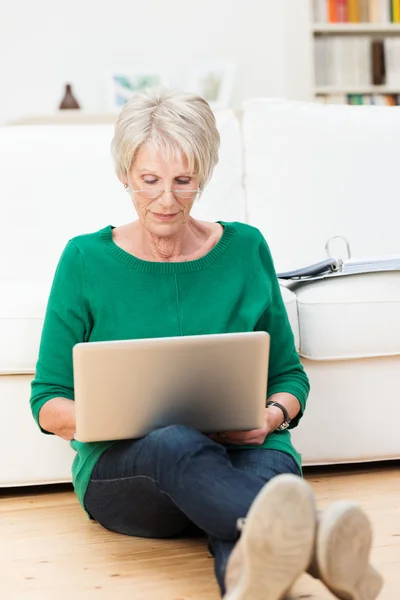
(175, 122)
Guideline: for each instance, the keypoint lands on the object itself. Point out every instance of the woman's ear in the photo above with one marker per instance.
(124, 180)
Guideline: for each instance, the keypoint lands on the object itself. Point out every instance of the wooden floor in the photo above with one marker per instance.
(50, 550)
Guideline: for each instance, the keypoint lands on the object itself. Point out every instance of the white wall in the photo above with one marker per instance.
(45, 43)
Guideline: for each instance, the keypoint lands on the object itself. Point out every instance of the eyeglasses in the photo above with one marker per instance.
(155, 194)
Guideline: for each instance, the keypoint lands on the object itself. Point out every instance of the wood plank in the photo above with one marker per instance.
(51, 550)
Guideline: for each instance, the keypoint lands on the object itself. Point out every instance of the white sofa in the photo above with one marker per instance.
(301, 173)
(313, 172)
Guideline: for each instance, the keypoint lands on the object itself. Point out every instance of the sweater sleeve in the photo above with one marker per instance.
(66, 323)
(286, 373)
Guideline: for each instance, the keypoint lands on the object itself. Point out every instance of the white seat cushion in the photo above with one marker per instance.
(289, 299)
(22, 309)
(350, 317)
(32, 458)
(342, 423)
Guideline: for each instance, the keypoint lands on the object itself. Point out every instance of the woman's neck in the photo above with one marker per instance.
(162, 249)
(185, 245)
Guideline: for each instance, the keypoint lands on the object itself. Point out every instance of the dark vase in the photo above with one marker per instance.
(69, 101)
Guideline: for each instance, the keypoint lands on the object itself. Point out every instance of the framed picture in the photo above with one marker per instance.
(214, 82)
(124, 83)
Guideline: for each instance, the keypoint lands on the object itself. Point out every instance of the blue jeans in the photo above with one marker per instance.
(175, 477)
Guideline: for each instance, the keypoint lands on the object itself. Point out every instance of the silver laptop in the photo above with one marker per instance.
(213, 383)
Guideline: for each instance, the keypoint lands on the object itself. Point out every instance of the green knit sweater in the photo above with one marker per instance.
(100, 293)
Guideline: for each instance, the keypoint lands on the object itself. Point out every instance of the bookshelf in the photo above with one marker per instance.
(367, 89)
(356, 62)
(354, 28)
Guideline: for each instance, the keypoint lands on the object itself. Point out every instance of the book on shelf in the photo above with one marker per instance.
(343, 61)
(378, 62)
(356, 11)
(392, 61)
(396, 11)
(349, 62)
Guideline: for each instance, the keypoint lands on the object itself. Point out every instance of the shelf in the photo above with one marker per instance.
(351, 28)
(362, 89)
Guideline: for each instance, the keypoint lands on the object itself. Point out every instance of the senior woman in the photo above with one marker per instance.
(168, 274)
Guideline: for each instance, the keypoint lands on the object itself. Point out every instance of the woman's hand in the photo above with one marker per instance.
(273, 417)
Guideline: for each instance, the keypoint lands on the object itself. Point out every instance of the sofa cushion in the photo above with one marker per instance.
(32, 458)
(289, 299)
(349, 317)
(22, 309)
(224, 197)
(315, 171)
(69, 187)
